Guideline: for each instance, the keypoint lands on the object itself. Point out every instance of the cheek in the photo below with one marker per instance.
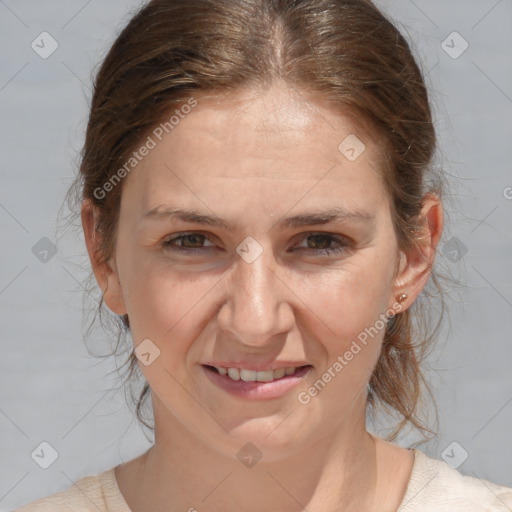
(350, 331)
(166, 306)
(348, 300)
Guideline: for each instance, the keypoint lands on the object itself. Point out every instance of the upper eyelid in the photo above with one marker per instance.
(340, 238)
(188, 233)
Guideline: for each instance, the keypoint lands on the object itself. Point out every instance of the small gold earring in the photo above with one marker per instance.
(401, 298)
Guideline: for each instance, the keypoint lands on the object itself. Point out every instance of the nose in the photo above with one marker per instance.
(257, 305)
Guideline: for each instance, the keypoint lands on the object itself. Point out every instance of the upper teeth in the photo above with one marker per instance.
(252, 376)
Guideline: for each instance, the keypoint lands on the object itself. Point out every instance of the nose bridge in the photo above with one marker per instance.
(255, 308)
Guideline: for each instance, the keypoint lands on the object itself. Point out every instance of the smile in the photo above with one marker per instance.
(253, 376)
(256, 385)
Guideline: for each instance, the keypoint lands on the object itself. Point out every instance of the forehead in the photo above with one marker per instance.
(272, 143)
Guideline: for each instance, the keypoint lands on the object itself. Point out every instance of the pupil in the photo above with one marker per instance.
(198, 239)
(318, 238)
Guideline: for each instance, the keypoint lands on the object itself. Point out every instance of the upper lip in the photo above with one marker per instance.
(256, 366)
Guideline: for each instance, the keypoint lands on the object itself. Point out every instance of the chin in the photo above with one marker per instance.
(269, 438)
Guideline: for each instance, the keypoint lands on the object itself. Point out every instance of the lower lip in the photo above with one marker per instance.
(257, 390)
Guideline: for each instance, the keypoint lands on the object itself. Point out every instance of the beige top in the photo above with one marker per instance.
(434, 486)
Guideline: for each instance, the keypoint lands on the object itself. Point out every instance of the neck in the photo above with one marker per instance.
(182, 470)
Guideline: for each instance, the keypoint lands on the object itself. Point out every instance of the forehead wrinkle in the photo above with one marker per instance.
(303, 219)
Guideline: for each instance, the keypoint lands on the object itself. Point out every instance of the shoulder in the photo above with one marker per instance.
(435, 485)
(98, 493)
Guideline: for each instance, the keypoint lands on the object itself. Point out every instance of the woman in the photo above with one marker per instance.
(256, 211)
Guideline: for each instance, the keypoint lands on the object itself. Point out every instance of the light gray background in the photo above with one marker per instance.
(52, 390)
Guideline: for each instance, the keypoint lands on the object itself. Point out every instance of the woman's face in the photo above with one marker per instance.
(255, 279)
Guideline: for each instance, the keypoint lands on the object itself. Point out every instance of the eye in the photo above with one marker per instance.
(186, 242)
(321, 243)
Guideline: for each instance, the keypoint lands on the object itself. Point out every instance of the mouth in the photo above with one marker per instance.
(259, 385)
(255, 376)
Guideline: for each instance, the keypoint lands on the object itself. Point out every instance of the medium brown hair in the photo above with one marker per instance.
(343, 51)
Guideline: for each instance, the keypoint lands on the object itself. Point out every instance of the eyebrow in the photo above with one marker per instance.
(337, 214)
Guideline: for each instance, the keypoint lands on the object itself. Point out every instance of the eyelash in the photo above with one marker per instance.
(343, 244)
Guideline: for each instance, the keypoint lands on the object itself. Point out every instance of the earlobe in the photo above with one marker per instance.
(105, 272)
(416, 264)
(113, 294)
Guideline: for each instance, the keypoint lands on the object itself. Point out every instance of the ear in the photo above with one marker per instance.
(416, 264)
(104, 271)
